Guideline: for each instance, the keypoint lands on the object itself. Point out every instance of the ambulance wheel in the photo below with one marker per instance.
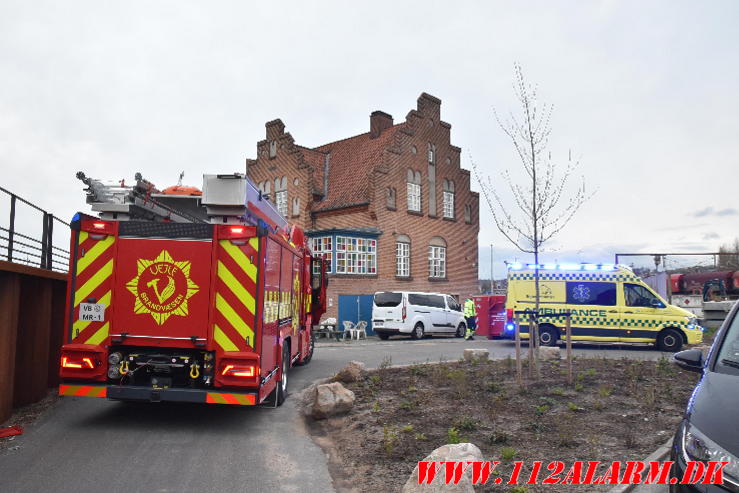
(383, 336)
(417, 332)
(460, 330)
(547, 336)
(670, 340)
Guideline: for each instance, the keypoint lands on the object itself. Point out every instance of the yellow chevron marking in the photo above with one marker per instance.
(80, 325)
(100, 335)
(84, 291)
(93, 253)
(254, 243)
(233, 318)
(223, 340)
(240, 258)
(217, 398)
(236, 287)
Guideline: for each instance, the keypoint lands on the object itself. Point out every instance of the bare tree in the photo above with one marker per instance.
(729, 261)
(543, 204)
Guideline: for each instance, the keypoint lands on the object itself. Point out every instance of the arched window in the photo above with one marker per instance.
(281, 195)
(272, 149)
(449, 199)
(414, 190)
(468, 214)
(296, 206)
(391, 204)
(437, 258)
(402, 256)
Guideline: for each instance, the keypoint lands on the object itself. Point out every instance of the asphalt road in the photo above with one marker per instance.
(90, 445)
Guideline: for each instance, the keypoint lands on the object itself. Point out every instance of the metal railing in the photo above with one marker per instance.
(23, 249)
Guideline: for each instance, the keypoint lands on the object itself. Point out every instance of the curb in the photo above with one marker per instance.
(658, 455)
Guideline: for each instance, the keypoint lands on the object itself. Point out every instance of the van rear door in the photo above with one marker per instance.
(387, 307)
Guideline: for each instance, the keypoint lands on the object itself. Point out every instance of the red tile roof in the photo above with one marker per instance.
(317, 161)
(350, 162)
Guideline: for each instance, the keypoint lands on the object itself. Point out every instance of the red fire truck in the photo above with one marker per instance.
(187, 297)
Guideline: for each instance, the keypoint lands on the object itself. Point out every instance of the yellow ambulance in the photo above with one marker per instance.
(607, 303)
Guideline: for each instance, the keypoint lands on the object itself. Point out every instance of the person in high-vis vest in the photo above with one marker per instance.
(470, 318)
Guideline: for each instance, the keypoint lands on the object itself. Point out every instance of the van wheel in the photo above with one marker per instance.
(547, 336)
(670, 340)
(460, 330)
(383, 336)
(417, 331)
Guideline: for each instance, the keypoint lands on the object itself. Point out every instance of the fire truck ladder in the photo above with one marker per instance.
(117, 201)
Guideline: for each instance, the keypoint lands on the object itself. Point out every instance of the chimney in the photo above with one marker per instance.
(379, 121)
(275, 128)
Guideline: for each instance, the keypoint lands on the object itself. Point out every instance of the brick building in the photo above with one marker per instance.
(391, 208)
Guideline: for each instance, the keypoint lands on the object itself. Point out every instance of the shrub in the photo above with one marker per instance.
(407, 429)
(558, 391)
(389, 438)
(579, 387)
(604, 390)
(508, 453)
(420, 436)
(466, 423)
(452, 435)
(541, 410)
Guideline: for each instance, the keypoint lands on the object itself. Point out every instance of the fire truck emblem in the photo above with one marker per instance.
(162, 287)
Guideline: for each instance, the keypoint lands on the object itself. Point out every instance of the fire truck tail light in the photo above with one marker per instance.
(84, 363)
(237, 230)
(238, 371)
(98, 225)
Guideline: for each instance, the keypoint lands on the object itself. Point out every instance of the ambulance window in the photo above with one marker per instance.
(637, 295)
(591, 293)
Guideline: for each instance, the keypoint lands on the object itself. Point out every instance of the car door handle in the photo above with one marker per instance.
(628, 312)
(613, 311)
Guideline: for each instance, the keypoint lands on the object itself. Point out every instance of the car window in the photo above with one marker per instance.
(388, 299)
(453, 305)
(637, 295)
(728, 356)
(591, 293)
(418, 299)
(436, 301)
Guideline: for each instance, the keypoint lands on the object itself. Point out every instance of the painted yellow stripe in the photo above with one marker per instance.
(80, 325)
(84, 291)
(93, 253)
(254, 243)
(223, 340)
(236, 287)
(100, 335)
(242, 399)
(97, 392)
(233, 318)
(217, 398)
(240, 258)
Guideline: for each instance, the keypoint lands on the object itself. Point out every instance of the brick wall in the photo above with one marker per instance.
(423, 127)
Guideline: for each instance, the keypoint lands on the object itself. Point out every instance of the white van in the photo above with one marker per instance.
(401, 312)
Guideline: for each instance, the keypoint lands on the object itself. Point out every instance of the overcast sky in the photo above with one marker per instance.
(645, 93)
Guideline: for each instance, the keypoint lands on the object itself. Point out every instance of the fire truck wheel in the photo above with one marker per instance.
(417, 332)
(311, 348)
(460, 330)
(277, 397)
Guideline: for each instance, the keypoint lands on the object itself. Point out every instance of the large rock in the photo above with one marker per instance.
(352, 372)
(478, 354)
(549, 352)
(328, 399)
(454, 452)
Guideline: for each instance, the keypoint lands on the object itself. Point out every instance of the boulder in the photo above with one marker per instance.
(352, 372)
(549, 352)
(452, 452)
(478, 354)
(328, 399)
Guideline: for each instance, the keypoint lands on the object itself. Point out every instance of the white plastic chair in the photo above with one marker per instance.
(360, 329)
(348, 329)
